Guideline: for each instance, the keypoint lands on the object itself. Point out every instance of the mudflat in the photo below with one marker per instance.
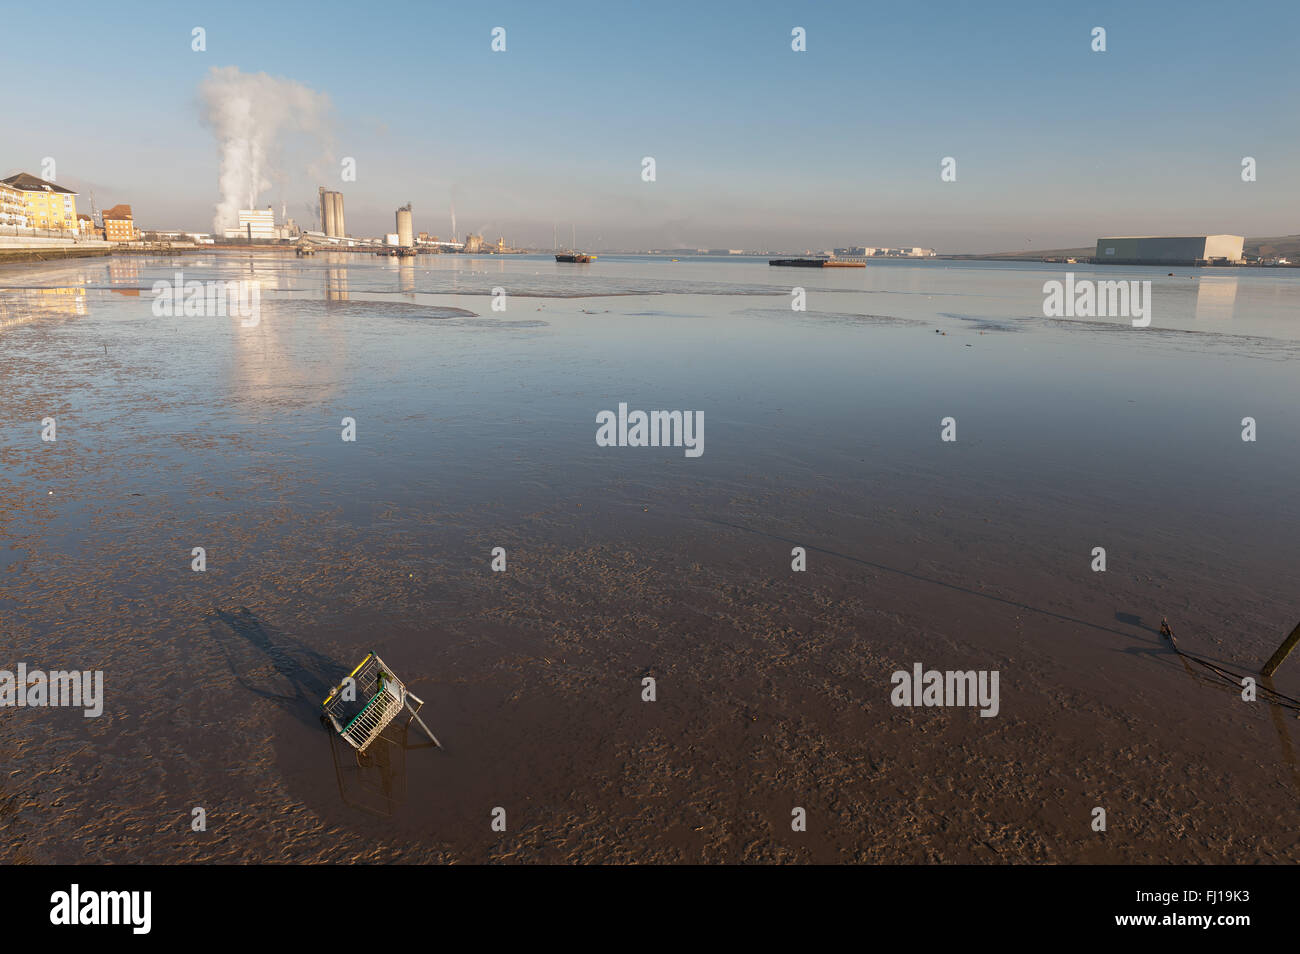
(772, 686)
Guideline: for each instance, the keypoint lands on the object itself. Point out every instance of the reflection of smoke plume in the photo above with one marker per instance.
(249, 112)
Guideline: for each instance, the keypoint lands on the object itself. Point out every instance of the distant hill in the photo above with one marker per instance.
(1033, 254)
(1287, 246)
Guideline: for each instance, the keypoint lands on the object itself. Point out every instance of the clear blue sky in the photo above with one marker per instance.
(755, 145)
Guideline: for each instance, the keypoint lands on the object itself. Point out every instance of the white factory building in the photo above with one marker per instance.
(254, 224)
(1169, 250)
(870, 251)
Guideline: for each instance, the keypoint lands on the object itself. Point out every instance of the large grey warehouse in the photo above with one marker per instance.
(1169, 250)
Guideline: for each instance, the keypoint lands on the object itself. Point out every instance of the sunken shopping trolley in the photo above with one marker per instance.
(367, 701)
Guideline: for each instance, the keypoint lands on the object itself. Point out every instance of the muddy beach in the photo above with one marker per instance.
(772, 686)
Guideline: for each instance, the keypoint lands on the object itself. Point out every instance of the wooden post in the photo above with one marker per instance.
(1278, 657)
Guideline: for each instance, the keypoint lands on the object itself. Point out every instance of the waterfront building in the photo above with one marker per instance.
(13, 210)
(331, 213)
(47, 205)
(255, 224)
(119, 224)
(405, 235)
(1169, 250)
(869, 251)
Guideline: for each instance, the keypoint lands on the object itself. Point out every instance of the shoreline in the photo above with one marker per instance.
(773, 683)
(27, 255)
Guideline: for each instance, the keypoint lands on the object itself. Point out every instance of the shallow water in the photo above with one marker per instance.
(476, 428)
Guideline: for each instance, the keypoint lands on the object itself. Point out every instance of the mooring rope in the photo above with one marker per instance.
(1269, 695)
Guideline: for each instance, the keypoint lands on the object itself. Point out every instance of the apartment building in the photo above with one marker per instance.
(119, 226)
(47, 205)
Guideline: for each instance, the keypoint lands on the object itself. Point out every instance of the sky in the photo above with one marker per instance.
(755, 145)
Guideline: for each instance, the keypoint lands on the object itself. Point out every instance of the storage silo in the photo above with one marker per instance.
(326, 211)
(340, 229)
(405, 231)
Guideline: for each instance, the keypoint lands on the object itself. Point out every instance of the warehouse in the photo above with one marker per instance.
(1169, 250)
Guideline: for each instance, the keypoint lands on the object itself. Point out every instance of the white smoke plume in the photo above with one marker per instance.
(251, 114)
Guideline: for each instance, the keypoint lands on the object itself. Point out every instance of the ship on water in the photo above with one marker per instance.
(579, 258)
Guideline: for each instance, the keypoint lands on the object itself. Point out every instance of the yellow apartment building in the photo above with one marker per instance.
(13, 210)
(48, 206)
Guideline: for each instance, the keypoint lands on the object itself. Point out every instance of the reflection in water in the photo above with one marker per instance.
(336, 284)
(376, 781)
(1284, 737)
(272, 364)
(406, 275)
(125, 272)
(25, 305)
(1278, 703)
(267, 273)
(1216, 297)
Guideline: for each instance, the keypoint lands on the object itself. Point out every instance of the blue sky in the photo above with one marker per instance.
(755, 145)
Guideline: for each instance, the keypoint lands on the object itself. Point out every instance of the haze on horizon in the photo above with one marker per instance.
(755, 145)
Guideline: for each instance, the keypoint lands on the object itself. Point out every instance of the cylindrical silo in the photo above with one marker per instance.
(405, 231)
(326, 211)
(339, 228)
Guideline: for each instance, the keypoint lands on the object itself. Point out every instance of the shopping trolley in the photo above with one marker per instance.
(371, 697)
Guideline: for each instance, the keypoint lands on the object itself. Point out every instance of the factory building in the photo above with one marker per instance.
(405, 234)
(331, 213)
(1169, 250)
(259, 225)
(868, 251)
(253, 224)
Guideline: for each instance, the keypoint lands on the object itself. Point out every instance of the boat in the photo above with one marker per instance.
(799, 262)
(577, 258)
(817, 262)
